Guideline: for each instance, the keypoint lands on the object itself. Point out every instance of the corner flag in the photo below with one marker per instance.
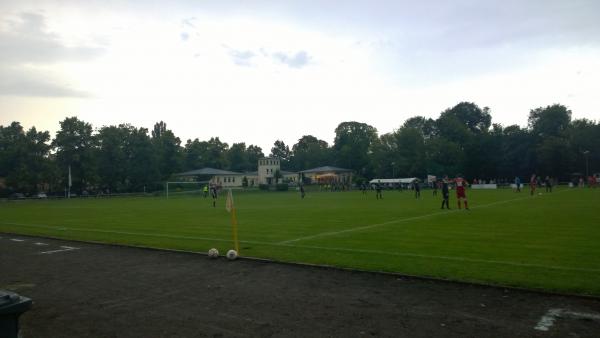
(229, 203)
(69, 195)
(231, 209)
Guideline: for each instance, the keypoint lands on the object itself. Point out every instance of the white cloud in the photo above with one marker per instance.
(297, 60)
(261, 72)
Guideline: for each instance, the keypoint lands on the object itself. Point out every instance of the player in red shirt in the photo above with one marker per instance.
(461, 185)
(533, 184)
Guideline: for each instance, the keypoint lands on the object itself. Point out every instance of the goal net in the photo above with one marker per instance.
(185, 188)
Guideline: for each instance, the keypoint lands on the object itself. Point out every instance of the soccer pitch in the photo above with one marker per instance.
(549, 241)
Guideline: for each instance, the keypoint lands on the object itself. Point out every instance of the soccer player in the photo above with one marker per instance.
(518, 183)
(213, 193)
(548, 184)
(417, 189)
(435, 186)
(378, 194)
(302, 193)
(445, 193)
(461, 184)
(532, 184)
(205, 190)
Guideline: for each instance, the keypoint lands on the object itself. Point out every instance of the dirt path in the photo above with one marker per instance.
(90, 290)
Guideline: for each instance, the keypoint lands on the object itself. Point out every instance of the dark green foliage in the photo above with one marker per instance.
(310, 152)
(76, 146)
(282, 187)
(352, 145)
(283, 153)
(263, 186)
(462, 139)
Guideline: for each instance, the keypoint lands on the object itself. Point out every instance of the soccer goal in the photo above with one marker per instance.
(183, 188)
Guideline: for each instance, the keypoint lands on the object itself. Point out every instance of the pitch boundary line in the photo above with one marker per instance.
(370, 226)
(547, 320)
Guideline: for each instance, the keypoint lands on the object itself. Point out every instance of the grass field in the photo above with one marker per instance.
(549, 241)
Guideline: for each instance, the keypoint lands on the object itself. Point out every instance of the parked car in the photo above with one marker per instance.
(41, 195)
(17, 196)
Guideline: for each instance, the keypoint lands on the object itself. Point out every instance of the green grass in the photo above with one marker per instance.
(549, 241)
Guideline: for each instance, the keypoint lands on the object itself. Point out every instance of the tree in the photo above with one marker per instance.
(254, 154)
(554, 157)
(168, 150)
(237, 157)
(112, 157)
(549, 121)
(193, 155)
(142, 161)
(476, 120)
(549, 128)
(216, 153)
(282, 152)
(517, 152)
(411, 153)
(584, 136)
(75, 147)
(425, 125)
(211, 153)
(383, 160)
(310, 152)
(24, 158)
(352, 144)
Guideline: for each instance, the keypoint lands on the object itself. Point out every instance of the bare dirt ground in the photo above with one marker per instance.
(91, 290)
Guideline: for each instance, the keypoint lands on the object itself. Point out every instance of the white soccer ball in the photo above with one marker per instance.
(231, 255)
(213, 253)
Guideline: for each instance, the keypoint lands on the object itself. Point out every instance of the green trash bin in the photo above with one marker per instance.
(12, 306)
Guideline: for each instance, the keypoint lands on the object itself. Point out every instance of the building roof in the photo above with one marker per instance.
(208, 171)
(325, 169)
(393, 180)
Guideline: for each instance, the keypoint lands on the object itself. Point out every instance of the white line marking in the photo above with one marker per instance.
(370, 226)
(64, 249)
(547, 320)
(17, 240)
(387, 253)
(39, 243)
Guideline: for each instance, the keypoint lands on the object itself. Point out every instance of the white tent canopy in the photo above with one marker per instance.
(393, 180)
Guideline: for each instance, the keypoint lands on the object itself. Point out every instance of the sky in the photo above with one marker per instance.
(261, 71)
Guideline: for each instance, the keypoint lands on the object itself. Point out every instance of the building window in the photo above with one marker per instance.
(234, 180)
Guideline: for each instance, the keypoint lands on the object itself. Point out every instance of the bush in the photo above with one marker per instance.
(282, 187)
(263, 186)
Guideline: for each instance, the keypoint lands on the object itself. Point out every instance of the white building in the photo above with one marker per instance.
(267, 167)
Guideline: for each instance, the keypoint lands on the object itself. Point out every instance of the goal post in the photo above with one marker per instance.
(199, 184)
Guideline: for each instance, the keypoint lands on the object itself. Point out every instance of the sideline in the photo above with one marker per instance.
(547, 320)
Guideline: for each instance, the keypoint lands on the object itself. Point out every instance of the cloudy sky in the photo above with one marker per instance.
(258, 71)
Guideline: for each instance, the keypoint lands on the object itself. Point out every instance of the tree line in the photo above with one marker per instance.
(124, 158)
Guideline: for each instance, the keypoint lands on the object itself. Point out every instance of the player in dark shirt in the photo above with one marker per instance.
(548, 184)
(417, 189)
(378, 194)
(445, 193)
(213, 194)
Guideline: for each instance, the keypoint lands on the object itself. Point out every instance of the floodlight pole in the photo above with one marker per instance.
(586, 153)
